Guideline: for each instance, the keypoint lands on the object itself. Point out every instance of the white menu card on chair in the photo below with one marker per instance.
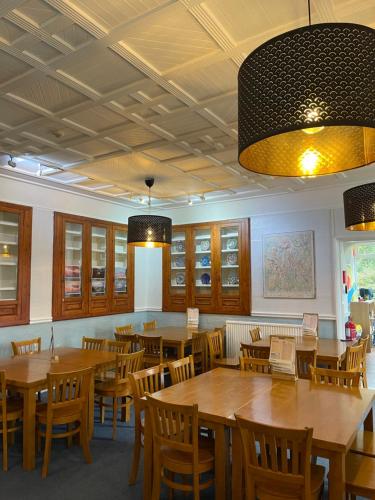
(192, 317)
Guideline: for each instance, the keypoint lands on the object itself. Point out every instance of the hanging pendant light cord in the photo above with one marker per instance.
(309, 8)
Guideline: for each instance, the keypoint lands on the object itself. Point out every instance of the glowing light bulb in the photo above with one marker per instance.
(312, 130)
(309, 161)
(150, 244)
(5, 251)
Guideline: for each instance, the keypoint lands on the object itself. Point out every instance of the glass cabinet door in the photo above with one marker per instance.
(121, 262)
(202, 261)
(230, 266)
(73, 259)
(9, 226)
(98, 261)
(178, 263)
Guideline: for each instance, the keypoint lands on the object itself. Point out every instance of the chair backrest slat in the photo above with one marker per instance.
(149, 380)
(305, 359)
(335, 377)
(128, 337)
(149, 325)
(125, 364)
(93, 344)
(354, 357)
(118, 346)
(283, 464)
(124, 329)
(182, 369)
(256, 365)
(215, 346)
(23, 347)
(68, 389)
(253, 351)
(153, 349)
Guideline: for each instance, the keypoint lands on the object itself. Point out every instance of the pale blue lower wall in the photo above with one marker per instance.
(327, 328)
(69, 333)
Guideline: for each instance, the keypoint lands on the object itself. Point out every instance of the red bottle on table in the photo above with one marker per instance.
(350, 330)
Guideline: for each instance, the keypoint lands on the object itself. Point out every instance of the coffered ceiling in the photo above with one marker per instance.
(99, 94)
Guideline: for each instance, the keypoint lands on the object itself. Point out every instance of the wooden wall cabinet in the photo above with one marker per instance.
(93, 268)
(15, 262)
(208, 266)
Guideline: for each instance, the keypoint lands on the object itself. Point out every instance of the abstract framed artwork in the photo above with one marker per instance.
(289, 265)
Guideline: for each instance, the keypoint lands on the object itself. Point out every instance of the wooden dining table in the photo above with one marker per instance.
(330, 352)
(334, 413)
(177, 337)
(28, 374)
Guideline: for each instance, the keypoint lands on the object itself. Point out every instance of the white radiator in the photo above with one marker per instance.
(238, 331)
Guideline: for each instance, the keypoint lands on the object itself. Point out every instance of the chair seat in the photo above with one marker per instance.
(227, 363)
(360, 475)
(14, 409)
(180, 461)
(364, 443)
(109, 389)
(60, 416)
(317, 478)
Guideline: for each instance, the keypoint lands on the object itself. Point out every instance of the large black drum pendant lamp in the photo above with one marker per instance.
(359, 208)
(149, 231)
(306, 102)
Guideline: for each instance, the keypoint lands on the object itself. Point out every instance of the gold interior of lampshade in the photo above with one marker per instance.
(149, 244)
(328, 150)
(363, 226)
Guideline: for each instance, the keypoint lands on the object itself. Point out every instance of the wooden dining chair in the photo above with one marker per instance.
(118, 346)
(305, 359)
(181, 369)
(93, 344)
(277, 462)
(340, 378)
(255, 334)
(124, 329)
(215, 347)
(67, 404)
(359, 476)
(149, 380)
(128, 337)
(119, 387)
(363, 341)
(199, 351)
(176, 448)
(149, 325)
(23, 347)
(153, 350)
(256, 365)
(253, 351)
(10, 414)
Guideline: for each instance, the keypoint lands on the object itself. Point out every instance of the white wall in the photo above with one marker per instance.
(320, 211)
(45, 201)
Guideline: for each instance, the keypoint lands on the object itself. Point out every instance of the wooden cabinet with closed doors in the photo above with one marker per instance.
(208, 267)
(93, 268)
(15, 261)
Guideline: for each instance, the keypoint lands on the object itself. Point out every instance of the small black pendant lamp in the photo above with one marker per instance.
(306, 101)
(149, 231)
(359, 208)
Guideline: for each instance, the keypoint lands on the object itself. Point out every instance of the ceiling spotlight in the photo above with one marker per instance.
(11, 162)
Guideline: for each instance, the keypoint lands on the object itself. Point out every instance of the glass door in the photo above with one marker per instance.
(98, 261)
(202, 261)
(230, 263)
(178, 281)
(9, 228)
(73, 260)
(121, 262)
